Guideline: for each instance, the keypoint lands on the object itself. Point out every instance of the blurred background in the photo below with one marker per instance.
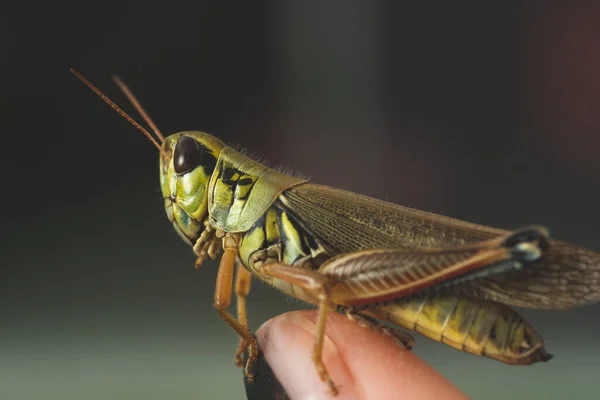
(485, 112)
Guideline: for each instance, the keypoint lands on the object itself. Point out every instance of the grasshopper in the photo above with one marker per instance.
(447, 279)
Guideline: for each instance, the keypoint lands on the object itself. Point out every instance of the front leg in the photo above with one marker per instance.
(223, 291)
(243, 279)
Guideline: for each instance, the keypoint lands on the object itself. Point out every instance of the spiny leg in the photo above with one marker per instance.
(318, 285)
(243, 280)
(317, 355)
(222, 302)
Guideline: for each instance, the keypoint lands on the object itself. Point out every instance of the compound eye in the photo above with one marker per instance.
(186, 155)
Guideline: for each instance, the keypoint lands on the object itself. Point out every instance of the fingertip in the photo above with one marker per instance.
(362, 363)
(287, 342)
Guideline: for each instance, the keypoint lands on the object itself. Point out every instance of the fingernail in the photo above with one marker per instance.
(287, 342)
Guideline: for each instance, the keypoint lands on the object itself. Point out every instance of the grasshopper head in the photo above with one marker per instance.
(187, 162)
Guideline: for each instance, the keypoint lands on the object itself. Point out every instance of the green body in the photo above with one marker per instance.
(284, 219)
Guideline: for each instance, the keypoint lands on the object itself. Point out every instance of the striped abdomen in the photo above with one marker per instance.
(475, 326)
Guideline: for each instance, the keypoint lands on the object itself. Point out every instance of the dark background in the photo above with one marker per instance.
(489, 113)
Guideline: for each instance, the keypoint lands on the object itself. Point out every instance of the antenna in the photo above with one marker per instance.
(120, 111)
(138, 107)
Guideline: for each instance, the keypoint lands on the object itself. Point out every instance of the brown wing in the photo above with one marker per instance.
(344, 222)
(567, 276)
